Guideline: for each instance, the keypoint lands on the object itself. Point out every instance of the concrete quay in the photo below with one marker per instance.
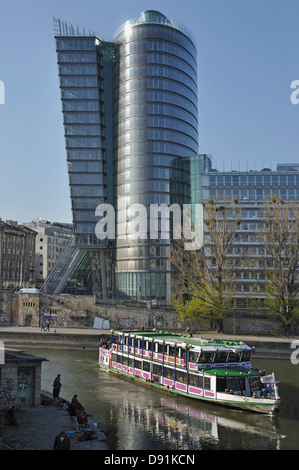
(22, 337)
(39, 426)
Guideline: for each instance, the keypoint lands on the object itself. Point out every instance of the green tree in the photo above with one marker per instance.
(280, 235)
(204, 281)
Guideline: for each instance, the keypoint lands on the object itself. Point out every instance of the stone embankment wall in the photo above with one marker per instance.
(25, 309)
(264, 347)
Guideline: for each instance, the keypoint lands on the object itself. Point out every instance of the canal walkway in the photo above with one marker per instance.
(22, 337)
(97, 332)
(37, 427)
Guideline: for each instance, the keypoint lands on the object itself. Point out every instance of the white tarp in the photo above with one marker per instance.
(101, 324)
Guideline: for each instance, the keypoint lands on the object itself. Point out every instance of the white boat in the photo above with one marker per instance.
(216, 371)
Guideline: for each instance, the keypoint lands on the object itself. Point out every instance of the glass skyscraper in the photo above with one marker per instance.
(130, 117)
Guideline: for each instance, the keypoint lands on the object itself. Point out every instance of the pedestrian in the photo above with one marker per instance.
(48, 325)
(56, 388)
(73, 417)
(188, 331)
(76, 402)
(62, 442)
(82, 416)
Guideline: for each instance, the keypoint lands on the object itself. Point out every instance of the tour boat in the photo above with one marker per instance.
(216, 371)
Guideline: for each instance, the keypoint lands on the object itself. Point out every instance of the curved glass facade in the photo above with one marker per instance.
(155, 126)
(130, 119)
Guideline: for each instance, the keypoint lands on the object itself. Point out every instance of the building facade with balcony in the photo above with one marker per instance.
(251, 189)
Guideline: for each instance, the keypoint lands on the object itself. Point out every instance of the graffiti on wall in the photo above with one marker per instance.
(55, 320)
(7, 394)
(159, 321)
(127, 323)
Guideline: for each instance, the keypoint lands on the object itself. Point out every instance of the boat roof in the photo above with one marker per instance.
(180, 339)
(232, 371)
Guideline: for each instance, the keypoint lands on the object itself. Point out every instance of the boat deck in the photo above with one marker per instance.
(181, 338)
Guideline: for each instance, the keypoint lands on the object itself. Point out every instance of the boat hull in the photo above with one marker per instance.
(258, 405)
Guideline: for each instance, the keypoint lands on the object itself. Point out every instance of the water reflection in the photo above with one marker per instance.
(142, 418)
(169, 424)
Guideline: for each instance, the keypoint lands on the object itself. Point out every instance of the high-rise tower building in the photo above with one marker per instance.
(130, 117)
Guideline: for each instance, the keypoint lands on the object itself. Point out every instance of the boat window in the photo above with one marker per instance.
(138, 364)
(168, 373)
(246, 355)
(148, 345)
(221, 384)
(195, 380)
(193, 356)
(234, 356)
(220, 356)
(206, 356)
(181, 376)
(207, 383)
(131, 362)
(160, 348)
(119, 359)
(113, 358)
(157, 369)
(236, 384)
(171, 350)
(255, 384)
(146, 366)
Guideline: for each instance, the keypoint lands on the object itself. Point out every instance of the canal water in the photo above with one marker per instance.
(139, 417)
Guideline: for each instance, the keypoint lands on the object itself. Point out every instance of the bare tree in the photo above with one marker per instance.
(280, 236)
(204, 282)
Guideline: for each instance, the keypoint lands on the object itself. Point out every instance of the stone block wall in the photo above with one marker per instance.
(22, 309)
(10, 383)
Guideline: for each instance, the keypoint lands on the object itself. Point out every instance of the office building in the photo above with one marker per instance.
(250, 189)
(17, 256)
(51, 241)
(130, 117)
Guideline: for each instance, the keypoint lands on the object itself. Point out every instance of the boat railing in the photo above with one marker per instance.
(180, 357)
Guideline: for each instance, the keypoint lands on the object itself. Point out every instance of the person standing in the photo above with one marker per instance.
(73, 416)
(56, 388)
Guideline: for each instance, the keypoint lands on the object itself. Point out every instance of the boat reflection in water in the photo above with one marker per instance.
(175, 424)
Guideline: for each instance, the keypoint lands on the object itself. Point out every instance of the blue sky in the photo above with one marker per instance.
(247, 59)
